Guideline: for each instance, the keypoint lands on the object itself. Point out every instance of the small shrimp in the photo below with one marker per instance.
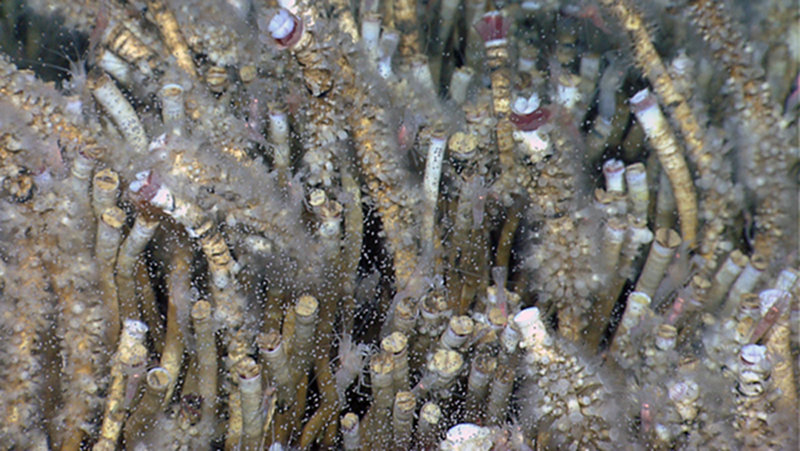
(352, 359)
(647, 417)
(589, 11)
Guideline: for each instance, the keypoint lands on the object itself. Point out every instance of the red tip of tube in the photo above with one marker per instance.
(492, 26)
(531, 121)
(144, 189)
(642, 100)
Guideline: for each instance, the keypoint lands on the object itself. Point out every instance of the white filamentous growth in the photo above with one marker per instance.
(117, 106)
(459, 83)
(279, 134)
(590, 67)
(388, 45)
(531, 326)
(568, 93)
(133, 331)
(468, 436)
(421, 72)
(609, 85)
(448, 14)
(370, 35)
(638, 303)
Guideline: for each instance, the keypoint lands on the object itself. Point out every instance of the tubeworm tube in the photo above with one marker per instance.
(430, 188)
(273, 352)
(661, 251)
(306, 312)
(613, 237)
(645, 107)
(421, 72)
(614, 173)
(179, 305)
(724, 278)
(396, 345)
(80, 175)
(249, 373)
(499, 394)
(493, 27)
(206, 357)
(405, 316)
(140, 234)
(429, 427)
(105, 249)
(114, 65)
(107, 94)
(351, 435)
(403, 419)
(131, 354)
(745, 283)
(377, 422)
(171, 33)
(638, 191)
(786, 280)
(623, 348)
(173, 113)
(105, 188)
(665, 202)
(446, 365)
(481, 371)
(509, 340)
(390, 39)
(147, 410)
(459, 328)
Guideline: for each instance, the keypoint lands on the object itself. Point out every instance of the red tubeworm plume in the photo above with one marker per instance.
(492, 26)
(531, 121)
(144, 188)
